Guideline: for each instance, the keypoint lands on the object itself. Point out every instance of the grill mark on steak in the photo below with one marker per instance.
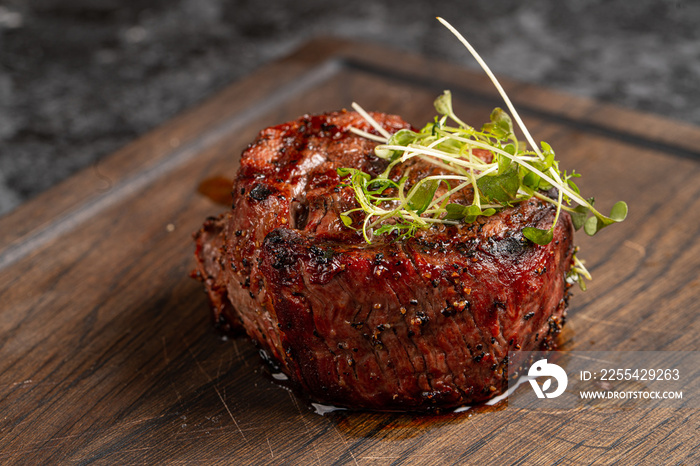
(304, 286)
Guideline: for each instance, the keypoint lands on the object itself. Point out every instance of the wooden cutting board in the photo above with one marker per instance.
(106, 349)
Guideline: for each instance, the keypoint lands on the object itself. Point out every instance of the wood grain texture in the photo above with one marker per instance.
(107, 354)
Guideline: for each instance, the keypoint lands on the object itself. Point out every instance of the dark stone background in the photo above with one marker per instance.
(81, 78)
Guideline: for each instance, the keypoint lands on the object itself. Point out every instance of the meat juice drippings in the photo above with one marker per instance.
(217, 189)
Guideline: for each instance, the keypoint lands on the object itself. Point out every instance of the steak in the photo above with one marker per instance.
(399, 324)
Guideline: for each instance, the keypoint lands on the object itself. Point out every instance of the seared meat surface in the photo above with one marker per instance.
(394, 325)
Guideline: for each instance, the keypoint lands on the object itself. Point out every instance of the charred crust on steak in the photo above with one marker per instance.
(416, 324)
(260, 192)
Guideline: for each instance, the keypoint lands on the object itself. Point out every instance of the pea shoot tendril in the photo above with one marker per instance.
(515, 173)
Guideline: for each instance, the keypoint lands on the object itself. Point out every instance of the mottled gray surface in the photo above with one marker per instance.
(81, 78)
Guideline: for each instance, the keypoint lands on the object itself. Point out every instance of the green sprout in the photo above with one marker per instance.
(514, 174)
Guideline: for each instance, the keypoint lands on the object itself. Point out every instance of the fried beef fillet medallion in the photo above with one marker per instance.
(412, 325)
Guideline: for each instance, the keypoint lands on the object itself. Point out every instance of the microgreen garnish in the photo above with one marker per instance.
(578, 272)
(513, 174)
